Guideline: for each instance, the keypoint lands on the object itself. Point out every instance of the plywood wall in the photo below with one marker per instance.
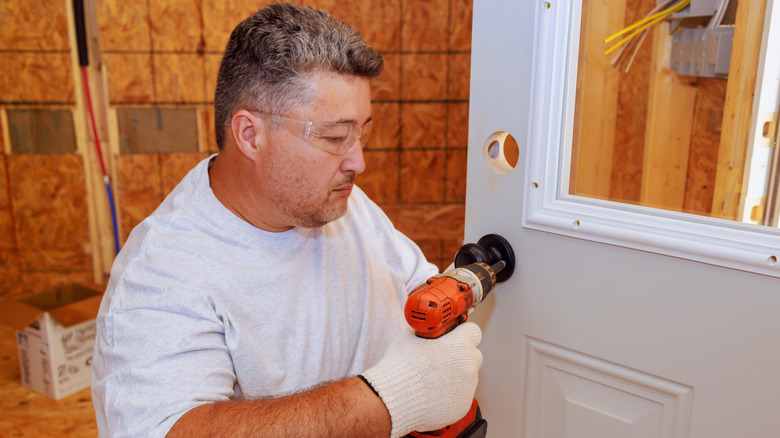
(44, 237)
(165, 54)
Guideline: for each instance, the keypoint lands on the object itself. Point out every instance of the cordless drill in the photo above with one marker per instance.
(446, 300)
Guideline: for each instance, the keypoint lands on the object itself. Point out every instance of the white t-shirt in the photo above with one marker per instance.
(202, 306)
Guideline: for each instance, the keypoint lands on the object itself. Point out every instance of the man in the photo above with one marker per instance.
(264, 296)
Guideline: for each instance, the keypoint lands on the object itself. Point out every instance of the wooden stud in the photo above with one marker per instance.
(671, 102)
(745, 54)
(597, 94)
(6, 135)
(98, 207)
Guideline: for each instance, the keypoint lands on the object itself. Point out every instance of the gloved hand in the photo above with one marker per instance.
(427, 384)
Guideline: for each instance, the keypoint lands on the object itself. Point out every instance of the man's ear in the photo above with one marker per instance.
(248, 133)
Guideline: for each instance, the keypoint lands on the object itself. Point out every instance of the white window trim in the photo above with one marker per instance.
(550, 208)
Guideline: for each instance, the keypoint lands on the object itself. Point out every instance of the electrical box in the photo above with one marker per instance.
(702, 37)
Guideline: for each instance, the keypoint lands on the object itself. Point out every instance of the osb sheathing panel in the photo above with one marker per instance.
(11, 273)
(7, 241)
(422, 176)
(176, 25)
(211, 70)
(388, 85)
(380, 180)
(424, 27)
(459, 76)
(427, 221)
(179, 77)
(207, 126)
(139, 188)
(423, 125)
(424, 76)
(705, 142)
(130, 77)
(48, 195)
(124, 25)
(455, 181)
(460, 25)
(379, 21)
(174, 167)
(221, 16)
(36, 77)
(33, 25)
(143, 181)
(387, 126)
(10, 267)
(458, 125)
(628, 157)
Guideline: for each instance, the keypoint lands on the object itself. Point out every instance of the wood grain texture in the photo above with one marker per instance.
(139, 189)
(50, 212)
(597, 99)
(427, 221)
(33, 25)
(632, 114)
(461, 16)
(424, 76)
(179, 78)
(459, 80)
(174, 167)
(36, 77)
(388, 84)
(423, 125)
(670, 107)
(424, 25)
(378, 20)
(124, 25)
(130, 78)
(705, 143)
(386, 133)
(176, 25)
(380, 180)
(745, 53)
(422, 176)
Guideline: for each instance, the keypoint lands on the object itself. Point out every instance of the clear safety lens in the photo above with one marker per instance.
(335, 138)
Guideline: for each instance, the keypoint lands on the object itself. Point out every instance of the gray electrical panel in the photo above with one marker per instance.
(702, 37)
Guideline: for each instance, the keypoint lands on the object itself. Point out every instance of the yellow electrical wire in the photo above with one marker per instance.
(659, 17)
(645, 20)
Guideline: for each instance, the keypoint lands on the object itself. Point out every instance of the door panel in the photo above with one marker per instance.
(594, 340)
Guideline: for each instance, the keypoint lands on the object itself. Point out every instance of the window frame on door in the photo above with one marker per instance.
(549, 207)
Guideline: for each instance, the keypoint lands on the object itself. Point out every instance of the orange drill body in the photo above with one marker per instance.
(438, 306)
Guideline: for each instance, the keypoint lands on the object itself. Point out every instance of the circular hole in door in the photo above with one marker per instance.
(501, 152)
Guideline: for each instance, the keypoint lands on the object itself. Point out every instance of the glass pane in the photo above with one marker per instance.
(663, 118)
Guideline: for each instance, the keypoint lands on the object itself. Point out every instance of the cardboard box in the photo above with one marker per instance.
(55, 336)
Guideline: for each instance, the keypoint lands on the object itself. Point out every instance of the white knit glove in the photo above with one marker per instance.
(427, 384)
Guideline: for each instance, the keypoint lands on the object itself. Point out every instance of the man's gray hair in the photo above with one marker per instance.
(271, 54)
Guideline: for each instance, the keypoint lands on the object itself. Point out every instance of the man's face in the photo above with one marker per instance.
(309, 186)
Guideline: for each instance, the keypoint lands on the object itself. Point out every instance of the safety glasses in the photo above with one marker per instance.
(332, 137)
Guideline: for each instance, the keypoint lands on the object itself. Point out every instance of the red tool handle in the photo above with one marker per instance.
(470, 426)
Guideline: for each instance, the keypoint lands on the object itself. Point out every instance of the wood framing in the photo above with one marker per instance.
(671, 103)
(745, 54)
(597, 97)
(100, 224)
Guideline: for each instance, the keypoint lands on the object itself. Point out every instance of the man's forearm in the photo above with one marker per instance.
(347, 408)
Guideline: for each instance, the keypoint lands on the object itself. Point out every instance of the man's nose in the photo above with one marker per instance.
(354, 161)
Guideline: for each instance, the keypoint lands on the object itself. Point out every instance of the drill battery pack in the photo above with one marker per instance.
(470, 426)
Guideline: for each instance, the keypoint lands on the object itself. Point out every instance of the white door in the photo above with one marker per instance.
(591, 337)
